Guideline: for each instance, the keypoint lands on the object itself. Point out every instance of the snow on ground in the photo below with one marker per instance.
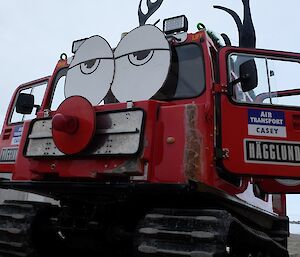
(294, 245)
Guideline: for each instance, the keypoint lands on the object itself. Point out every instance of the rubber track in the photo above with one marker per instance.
(16, 218)
(184, 233)
(200, 233)
(256, 240)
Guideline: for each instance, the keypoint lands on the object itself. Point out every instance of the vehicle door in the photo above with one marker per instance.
(258, 117)
(13, 124)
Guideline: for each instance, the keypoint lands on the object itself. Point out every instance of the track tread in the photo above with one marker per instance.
(16, 218)
(201, 233)
(181, 233)
(257, 239)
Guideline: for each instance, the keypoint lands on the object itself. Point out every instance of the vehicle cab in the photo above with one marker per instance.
(125, 113)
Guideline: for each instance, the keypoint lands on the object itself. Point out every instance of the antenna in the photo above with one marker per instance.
(152, 7)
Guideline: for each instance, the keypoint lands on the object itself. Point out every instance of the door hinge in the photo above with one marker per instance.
(223, 153)
(46, 113)
(220, 88)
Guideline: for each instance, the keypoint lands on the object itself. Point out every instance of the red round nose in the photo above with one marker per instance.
(64, 123)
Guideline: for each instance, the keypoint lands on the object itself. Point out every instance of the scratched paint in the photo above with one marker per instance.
(193, 144)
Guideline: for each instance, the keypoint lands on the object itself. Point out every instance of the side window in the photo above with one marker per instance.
(191, 74)
(285, 82)
(276, 83)
(59, 89)
(38, 90)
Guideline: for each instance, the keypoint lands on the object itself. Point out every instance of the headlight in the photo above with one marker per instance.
(175, 24)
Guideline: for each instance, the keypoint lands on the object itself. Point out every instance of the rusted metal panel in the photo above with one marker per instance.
(193, 144)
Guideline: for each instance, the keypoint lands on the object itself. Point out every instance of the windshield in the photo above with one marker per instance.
(186, 78)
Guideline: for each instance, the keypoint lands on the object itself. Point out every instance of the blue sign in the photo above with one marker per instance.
(266, 117)
(266, 123)
(17, 135)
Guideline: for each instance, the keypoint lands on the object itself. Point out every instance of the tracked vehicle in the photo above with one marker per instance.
(167, 145)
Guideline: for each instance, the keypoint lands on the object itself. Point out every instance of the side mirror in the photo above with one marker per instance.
(248, 75)
(25, 103)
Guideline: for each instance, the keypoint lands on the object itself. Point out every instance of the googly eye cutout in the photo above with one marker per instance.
(91, 71)
(90, 66)
(142, 59)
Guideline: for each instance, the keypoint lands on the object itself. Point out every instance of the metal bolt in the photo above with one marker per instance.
(93, 174)
(171, 140)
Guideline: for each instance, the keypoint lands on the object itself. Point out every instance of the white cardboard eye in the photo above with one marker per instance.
(95, 47)
(141, 82)
(95, 84)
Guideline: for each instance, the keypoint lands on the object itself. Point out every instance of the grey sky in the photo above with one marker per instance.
(34, 33)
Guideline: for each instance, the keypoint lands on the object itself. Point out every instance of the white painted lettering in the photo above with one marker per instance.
(264, 114)
(290, 150)
(277, 147)
(258, 151)
(272, 152)
(265, 151)
(283, 152)
(251, 151)
(297, 153)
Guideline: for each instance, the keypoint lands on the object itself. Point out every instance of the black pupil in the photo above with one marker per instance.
(141, 55)
(89, 64)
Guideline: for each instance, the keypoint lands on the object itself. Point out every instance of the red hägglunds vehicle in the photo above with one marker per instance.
(167, 145)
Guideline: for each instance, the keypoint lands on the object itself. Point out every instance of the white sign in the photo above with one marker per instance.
(266, 123)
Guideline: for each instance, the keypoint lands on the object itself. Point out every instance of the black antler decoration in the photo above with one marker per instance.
(247, 37)
(152, 7)
(226, 39)
(235, 17)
